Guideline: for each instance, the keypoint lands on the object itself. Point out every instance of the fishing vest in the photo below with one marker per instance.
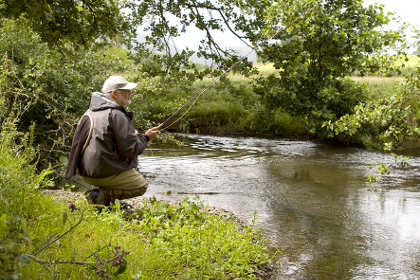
(88, 113)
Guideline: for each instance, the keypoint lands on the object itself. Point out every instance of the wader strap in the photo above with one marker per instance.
(89, 114)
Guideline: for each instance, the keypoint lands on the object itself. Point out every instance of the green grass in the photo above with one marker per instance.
(266, 69)
(379, 87)
(409, 66)
(163, 241)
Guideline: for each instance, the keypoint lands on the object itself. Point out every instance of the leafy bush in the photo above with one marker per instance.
(221, 107)
(41, 85)
(19, 205)
(386, 122)
(214, 116)
(328, 103)
(286, 125)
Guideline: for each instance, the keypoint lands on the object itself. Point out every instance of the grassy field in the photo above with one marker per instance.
(379, 86)
(410, 65)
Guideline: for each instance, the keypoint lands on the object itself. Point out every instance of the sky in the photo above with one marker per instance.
(407, 10)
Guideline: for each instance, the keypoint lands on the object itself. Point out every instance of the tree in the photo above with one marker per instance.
(79, 22)
(39, 85)
(161, 21)
(317, 44)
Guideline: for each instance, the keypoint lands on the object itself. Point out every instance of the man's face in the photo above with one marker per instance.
(122, 97)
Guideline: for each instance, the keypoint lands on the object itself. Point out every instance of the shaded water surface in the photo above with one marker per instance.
(313, 201)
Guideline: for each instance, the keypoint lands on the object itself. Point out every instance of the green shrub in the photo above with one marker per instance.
(19, 205)
(335, 99)
(214, 116)
(277, 122)
(386, 123)
(222, 107)
(286, 125)
(41, 85)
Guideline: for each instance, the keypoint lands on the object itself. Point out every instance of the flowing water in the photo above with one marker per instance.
(313, 201)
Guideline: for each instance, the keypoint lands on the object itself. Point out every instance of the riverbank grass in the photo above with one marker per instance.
(41, 238)
(162, 241)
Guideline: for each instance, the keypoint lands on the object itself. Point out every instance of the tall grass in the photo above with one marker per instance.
(407, 67)
(379, 87)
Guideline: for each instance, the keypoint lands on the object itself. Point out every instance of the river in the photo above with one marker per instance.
(313, 201)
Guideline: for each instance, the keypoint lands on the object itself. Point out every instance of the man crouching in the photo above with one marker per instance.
(106, 145)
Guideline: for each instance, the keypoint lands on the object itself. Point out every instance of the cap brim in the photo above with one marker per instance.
(129, 86)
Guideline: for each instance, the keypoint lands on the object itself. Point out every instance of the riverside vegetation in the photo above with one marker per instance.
(296, 97)
(47, 75)
(39, 237)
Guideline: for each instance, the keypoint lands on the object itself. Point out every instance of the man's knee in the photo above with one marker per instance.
(126, 193)
(125, 185)
(136, 192)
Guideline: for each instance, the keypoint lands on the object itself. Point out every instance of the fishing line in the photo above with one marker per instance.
(171, 120)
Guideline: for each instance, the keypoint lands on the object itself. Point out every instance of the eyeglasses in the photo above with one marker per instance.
(124, 92)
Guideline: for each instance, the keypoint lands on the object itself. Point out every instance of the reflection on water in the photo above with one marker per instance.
(313, 201)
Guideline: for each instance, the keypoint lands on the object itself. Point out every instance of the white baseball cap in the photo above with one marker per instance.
(117, 82)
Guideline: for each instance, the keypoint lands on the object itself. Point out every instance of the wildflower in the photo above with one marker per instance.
(101, 273)
(72, 206)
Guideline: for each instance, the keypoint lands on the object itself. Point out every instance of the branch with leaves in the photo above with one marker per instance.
(115, 264)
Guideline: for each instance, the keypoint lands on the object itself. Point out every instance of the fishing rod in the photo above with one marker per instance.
(173, 119)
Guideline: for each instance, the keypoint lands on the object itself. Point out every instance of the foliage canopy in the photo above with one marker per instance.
(316, 44)
(77, 22)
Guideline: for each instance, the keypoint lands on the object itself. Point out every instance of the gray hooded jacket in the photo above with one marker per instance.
(114, 145)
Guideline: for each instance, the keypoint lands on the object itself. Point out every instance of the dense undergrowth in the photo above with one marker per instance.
(43, 86)
(43, 239)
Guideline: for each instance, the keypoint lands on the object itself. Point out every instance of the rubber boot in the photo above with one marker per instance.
(97, 197)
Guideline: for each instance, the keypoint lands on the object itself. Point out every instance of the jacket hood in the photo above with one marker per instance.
(99, 102)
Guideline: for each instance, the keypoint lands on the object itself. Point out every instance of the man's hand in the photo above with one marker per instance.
(152, 132)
